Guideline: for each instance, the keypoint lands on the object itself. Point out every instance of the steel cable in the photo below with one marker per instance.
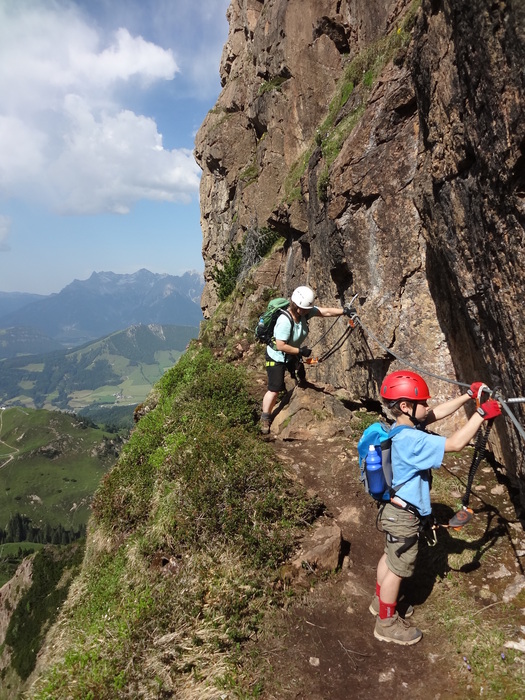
(409, 364)
(497, 395)
(337, 345)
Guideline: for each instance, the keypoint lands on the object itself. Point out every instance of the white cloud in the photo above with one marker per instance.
(22, 146)
(5, 225)
(117, 159)
(127, 57)
(67, 139)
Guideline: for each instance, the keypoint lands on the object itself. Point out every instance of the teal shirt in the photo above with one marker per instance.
(296, 338)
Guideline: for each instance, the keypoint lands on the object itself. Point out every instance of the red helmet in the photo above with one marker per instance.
(404, 385)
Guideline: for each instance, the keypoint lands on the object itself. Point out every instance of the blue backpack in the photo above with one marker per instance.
(380, 436)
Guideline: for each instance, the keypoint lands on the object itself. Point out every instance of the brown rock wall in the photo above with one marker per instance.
(469, 80)
(422, 214)
(279, 67)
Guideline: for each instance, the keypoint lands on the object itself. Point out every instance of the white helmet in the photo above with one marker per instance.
(303, 297)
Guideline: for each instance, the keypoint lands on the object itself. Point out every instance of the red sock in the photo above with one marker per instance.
(386, 609)
(378, 588)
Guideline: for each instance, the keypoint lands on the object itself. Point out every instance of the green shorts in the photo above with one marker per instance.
(399, 526)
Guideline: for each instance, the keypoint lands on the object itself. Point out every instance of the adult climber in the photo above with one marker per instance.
(287, 349)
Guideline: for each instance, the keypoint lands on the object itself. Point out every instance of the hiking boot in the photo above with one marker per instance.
(264, 425)
(404, 609)
(395, 629)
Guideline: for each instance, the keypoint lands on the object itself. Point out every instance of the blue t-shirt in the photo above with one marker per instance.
(296, 338)
(413, 453)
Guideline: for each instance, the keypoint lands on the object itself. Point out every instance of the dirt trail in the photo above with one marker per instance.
(322, 647)
(14, 450)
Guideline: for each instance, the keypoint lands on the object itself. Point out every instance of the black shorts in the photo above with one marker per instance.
(275, 371)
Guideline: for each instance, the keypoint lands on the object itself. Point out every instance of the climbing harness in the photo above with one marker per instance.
(339, 342)
(408, 542)
(427, 527)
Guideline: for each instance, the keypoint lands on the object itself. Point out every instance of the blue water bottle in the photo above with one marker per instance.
(374, 473)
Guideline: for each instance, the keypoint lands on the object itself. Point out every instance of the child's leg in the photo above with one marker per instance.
(391, 568)
(388, 583)
(396, 563)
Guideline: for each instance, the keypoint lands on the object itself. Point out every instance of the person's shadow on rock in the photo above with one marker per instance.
(435, 547)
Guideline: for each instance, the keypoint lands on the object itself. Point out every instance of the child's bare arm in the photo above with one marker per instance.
(449, 407)
(458, 440)
(446, 409)
(461, 438)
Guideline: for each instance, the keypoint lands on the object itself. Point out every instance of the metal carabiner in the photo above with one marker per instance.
(432, 539)
(479, 395)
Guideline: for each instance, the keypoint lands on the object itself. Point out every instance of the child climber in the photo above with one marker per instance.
(287, 350)
(414, 453)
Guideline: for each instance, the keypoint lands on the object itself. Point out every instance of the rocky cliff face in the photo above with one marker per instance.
(384, 141)
(10, 595)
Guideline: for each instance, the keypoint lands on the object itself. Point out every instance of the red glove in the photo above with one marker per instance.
(489, 409)
(474, 390)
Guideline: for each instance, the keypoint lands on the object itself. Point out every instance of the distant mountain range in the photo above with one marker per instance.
(12, 301)
(90, 309)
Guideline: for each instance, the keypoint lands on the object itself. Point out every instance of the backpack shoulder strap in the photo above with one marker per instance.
(397, 429)
(387, 442)
(289, 317)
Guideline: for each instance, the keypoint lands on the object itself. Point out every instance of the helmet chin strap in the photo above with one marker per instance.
(412, 417)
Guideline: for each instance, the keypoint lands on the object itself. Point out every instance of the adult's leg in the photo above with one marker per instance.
(275, 372)
(269, 401)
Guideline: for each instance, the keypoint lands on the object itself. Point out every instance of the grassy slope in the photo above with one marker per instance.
(53, 570)
(187, 535)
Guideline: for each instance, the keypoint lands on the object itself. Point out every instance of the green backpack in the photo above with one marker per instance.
(266, 323)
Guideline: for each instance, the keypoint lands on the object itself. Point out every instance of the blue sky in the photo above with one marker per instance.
(101, 100)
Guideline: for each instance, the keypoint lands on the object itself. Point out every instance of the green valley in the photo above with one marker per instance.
(50, 465)
(117, 370)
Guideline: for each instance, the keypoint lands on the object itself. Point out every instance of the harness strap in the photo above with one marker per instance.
(292, 364)
(404, 505)
(408, 542)
(426, 523)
